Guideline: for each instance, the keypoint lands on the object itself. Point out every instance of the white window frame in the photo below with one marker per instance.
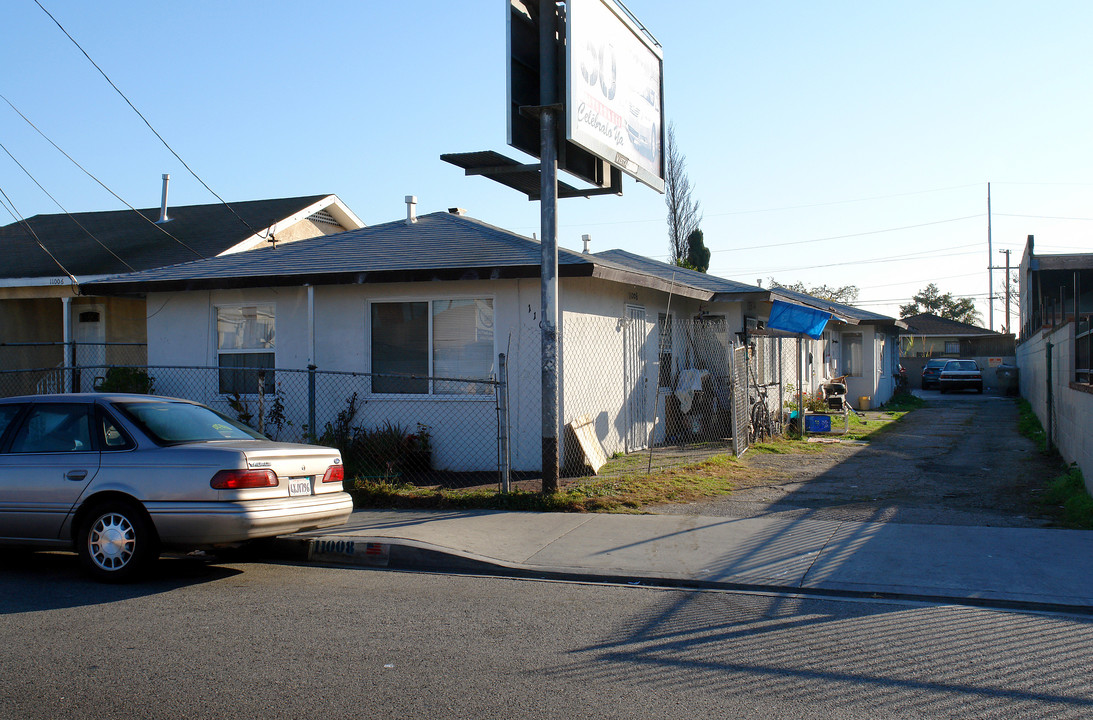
(845, 341)
(431, 392)
(217, 352)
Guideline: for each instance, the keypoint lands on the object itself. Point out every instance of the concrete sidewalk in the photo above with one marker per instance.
(1007, 567)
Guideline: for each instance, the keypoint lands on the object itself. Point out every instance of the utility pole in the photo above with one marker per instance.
(548, 205)
(1007, 254)
(990, 266)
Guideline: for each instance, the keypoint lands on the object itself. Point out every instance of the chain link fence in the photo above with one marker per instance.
(639, 394)
(424, 430)
(646, 393)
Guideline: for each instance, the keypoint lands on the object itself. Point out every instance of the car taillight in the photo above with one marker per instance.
(334, 473)
(238, 479)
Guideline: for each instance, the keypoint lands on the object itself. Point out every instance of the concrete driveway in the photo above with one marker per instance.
(957, 461)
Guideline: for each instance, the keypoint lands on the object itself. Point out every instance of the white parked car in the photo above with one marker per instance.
(960, 375)
(119, 477)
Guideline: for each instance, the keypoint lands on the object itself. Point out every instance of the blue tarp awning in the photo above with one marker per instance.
(797, 319)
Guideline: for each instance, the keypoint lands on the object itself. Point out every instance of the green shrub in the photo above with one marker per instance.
(125, 380)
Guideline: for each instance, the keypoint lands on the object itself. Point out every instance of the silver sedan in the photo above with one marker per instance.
(120, 477)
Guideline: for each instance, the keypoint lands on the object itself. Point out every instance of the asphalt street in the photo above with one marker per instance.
(285, 641)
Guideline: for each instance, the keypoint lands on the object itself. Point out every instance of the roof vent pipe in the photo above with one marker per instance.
(163, 201)
(411, 209)
(587, 240)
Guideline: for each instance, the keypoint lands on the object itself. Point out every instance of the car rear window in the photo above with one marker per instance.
(961, 365)
(172, 423)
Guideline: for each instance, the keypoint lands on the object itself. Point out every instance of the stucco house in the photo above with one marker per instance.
(442, 296)
(858, 344)
(49, 259)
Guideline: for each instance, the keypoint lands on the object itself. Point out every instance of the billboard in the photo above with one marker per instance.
(522, 18)
(614, 87)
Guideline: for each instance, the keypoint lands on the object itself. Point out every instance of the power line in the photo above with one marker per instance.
(786, 207)
(66, 212)
(845, 202)
(1042, 217)
(141, 116)
(900, 300)
(100, 182)
(851, 235)
(10, 207)
(912, 282)
(921, 255)
(840, 237)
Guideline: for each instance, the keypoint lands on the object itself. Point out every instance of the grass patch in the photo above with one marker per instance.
(904, 401)
(785, 446)
(1029, 426)
(866, 429)
(1068, 491)
(712, 477)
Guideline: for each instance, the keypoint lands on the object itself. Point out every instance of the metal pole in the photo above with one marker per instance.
(1009, 328)
(503, 422)
(990, 261)
(261, 401)
(800, 392)
(548, 205)
(69, 349)
(311, 402)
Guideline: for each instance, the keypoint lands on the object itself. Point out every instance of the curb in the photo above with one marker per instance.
(413, 555)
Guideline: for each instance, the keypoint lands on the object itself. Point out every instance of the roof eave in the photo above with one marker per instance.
(652, 282)
(348, 277)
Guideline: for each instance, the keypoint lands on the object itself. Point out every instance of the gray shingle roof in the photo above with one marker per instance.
(438, 246)
(208, 229)
(667, 271)
(930, 324)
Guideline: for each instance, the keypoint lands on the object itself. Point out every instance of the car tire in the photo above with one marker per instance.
(116, 542)
(979, 389)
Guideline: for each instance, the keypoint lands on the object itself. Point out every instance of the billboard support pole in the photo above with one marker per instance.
(548, 274)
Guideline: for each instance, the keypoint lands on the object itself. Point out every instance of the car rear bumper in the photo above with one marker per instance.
(212, 523)
(960, 384)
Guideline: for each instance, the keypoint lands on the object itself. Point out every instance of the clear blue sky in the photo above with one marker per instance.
(877, 125)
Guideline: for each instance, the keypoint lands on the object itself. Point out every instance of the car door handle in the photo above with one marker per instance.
(76, 474)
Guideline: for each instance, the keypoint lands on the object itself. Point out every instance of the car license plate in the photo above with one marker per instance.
(299, 486)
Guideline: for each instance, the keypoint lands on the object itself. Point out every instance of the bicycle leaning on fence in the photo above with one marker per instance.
(761, 424)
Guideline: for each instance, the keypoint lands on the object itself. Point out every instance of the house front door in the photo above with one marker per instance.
(635, 335)
(89, 335)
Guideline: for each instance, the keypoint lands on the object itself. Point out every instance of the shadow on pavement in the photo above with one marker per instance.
(36, 581)
(894, 660)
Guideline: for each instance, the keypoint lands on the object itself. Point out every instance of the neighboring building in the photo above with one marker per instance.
(440, 296)
(928, 335)
(48, 259)
(858, 344)
(931, 336)
(1055, 352)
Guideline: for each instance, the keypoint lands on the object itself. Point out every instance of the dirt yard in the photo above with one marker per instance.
(958, 461)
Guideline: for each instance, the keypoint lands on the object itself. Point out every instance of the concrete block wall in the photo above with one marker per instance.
(1072, 418)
